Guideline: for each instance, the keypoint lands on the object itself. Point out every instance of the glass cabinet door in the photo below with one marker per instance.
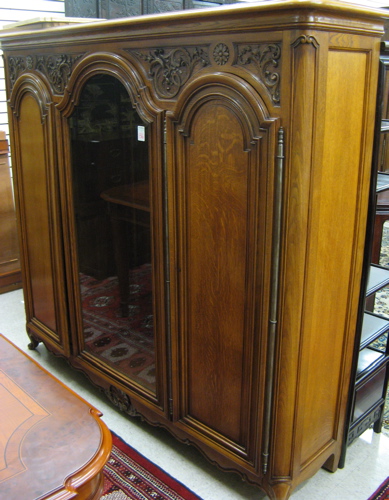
(111, 195)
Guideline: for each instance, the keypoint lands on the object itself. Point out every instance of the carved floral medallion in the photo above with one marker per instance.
(221, 54)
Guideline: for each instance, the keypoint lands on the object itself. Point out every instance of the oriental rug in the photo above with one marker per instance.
(128, 475)
(126, 343)
(382, 492)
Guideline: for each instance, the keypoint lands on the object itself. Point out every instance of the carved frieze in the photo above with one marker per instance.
(263, 60)
(170, 69)
(57, 68)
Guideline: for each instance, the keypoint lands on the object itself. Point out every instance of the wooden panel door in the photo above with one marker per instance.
(115, 238)
(221, 190)
(34, 164)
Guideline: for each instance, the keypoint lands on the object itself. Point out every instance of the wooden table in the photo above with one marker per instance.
(53, 445)
(133, 196)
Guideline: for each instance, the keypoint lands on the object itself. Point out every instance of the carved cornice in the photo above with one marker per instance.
(171, 68)
(263, 60)
(56, 68)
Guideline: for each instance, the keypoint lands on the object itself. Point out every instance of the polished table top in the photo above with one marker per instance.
(136, 195)
(53, 444)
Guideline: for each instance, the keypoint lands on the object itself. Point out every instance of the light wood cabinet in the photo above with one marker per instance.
(10, 276)
(192, 190)
(371, 362)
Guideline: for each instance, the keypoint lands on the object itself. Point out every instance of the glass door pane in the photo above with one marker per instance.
(110, 169)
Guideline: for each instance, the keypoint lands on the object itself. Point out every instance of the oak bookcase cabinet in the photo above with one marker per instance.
(192, 191)
(371, 370)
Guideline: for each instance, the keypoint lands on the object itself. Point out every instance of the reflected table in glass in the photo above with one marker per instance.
(124, 201)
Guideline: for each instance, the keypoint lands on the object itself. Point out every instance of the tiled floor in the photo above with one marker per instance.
(366, 467)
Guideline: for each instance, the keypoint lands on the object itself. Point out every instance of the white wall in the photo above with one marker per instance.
(12, 11)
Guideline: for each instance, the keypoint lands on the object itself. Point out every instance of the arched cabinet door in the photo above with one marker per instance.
(221, 203)
(115, 245)
(35, 176)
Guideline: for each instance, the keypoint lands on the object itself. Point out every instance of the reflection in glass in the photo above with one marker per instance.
(110, 171)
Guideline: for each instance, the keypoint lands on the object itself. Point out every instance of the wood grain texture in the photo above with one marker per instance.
(53, 443)
(199, 80)
(333, 247)
(224, 213)
(216, 239)
(10, 276)
(37, 210)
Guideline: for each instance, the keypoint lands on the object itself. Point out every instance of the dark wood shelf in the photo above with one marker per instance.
(378, 278)
(384, 126)
(372, 328)
(368, 358)
(382, 182)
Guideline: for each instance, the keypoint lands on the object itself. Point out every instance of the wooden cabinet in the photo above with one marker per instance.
(218, 164)
(10, 276)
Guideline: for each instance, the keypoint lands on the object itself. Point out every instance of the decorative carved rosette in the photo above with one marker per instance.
(265, 59)
(56, 68)
(221, 54)
(170, 69)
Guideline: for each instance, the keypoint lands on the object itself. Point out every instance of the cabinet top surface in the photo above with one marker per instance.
(269, 14)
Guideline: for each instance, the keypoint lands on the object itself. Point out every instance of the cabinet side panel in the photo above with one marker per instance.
(35, 210)
(303, 63)
(335, 250)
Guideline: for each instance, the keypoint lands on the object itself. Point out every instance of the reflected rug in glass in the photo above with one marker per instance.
(126, 343)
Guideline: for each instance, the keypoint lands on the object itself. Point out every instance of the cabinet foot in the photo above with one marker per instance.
(331, 464)
(33, 344)
(280, 491)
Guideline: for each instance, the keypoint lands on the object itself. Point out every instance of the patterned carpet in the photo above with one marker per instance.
(128, 475)
(381, 306)
(126, 343)
(382, 492)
